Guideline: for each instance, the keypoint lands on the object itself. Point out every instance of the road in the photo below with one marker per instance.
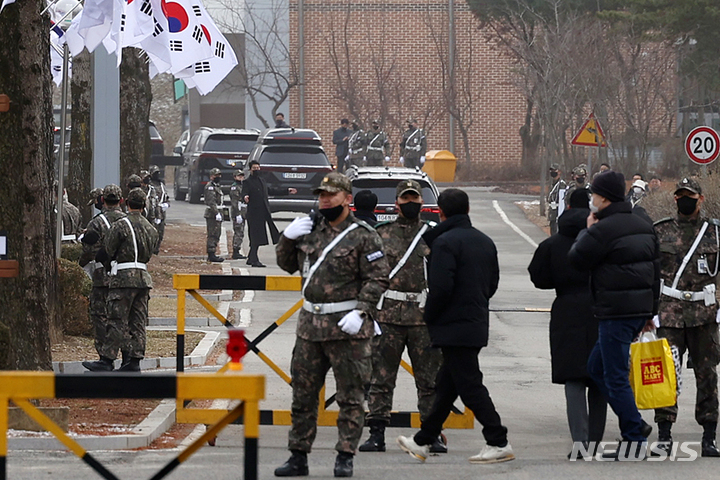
(516, 365)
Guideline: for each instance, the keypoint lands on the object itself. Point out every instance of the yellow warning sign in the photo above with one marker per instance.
(591, 134)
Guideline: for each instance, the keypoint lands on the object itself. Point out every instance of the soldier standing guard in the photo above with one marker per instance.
(579, 180)
(556, 197)
(356, 146)
(163, 202)
(378, 146)
(213, 217)
(688, 308)
(237, 212)
(129, 245)
(92, 243)
(344, 274)
(413, 146)
(400, 314)
(152, 205)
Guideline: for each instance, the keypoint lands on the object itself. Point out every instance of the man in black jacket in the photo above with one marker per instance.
(340, 139)
(621, 251)
(463, 275)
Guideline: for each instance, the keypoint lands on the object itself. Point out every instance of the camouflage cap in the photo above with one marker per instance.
(238, 172)
(153, 169)
(134, 179)
(94, 194)
(580, 169)
(555, 167)
(136, 195)
(144, 174)
(690, 184)
(334, 182)
(376, 121)
(112, 192)
(408, 186)
(215, 171)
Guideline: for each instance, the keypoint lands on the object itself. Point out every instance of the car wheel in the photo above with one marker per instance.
(195, 193)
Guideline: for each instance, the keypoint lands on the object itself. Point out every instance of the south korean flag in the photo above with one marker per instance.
(188, 35)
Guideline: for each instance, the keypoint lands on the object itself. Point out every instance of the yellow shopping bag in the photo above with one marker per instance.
(652, 374)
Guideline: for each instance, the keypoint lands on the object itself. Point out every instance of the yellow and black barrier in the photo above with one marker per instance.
(20, 387)
(190, 283)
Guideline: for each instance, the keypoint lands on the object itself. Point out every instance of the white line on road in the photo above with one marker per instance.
(505, 219)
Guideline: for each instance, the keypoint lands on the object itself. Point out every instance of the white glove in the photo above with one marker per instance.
(158, 221)
(378, 330)
(387, 159)
(347, 157)
(218, 217)
(656, 321)
(402, 160)
(164, 206)
(364, 159)
(299, 227)
(351, 323)
(422, 160)
(238, 219)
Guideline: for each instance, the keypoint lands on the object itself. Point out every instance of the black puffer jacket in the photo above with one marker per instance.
(462, 276)
(621, 251)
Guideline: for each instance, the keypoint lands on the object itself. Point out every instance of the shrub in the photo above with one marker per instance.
(74, 288)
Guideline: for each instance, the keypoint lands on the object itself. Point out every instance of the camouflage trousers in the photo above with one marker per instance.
(127, 315)
(386, 355)
(98, 316)
(702, 344)
(375, 159)
(413, 160)
(553, 219)
(356, 160)
(213, 234)
(350, 362)
(238, 234)
(160, 227)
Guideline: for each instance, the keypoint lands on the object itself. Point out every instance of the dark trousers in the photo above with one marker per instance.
(586, 410)
(460, 375)
(341, 164)
(609, 368)
(253, 254)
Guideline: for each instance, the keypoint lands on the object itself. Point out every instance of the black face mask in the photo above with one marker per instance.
(332, 213)
(99, 205)
(686, 205)
(410, 210)
(375, 127)
(254, 172)
(580, 180)
(554, 174)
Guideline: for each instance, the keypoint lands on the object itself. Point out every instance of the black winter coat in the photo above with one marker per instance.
(463, 274)
(258, 210)
(622, 253)
(341, 146)
(573, 329)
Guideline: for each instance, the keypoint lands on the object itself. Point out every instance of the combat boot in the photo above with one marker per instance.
(212, 258)
(237, 255)
(343, 465)
(103, 365)
(296, 466)
(133, 365)
(665, 440)
(709, 447)
(376, 442)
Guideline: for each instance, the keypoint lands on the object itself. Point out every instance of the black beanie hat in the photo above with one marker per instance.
(579, 199)
(610, 185)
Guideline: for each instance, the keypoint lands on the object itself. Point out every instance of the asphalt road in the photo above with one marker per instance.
(516, 365)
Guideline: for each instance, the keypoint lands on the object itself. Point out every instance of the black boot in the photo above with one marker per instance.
(438, 446)
(237, 255)
(133, 365)
(665, 441)
(343, 465)
(103, 365)
(646, 429)
(214, 258)
(376, 442)
(296, 466)
(709, 447)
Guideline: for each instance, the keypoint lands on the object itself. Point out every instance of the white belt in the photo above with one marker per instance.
(417, 148)
(328, 308)
(707, 294)
(356, 150)
(375, 148)
(418, 297)
(553, 205)
(126, 266)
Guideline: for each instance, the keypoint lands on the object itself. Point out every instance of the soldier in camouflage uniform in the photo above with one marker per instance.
(356, 146)
(134, 181)
(688, 307)
(335, 325)
(238, 208)
(413, 146)
(163, 202)
(556, 205)
(400, 314)
(153, 212)
(92, 243)
(129, 245)
(213, 216)
(378, 146)
(579, 180)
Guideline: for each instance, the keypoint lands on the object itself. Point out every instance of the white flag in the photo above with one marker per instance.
(91, 26)
(186, 34)
(132, 23)
(5, 3)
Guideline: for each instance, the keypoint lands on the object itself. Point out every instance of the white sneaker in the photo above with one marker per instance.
(408, 445)
(490, 454)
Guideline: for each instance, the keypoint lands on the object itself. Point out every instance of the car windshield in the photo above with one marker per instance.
(385, 190)
(296, 156)
(154, 133)
(229, 143)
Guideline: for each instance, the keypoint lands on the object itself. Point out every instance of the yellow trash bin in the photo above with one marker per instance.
(440, 165)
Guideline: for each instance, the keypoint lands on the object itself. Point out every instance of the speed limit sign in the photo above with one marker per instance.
(702, 145)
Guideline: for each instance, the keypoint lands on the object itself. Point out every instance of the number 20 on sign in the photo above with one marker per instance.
(702, 145)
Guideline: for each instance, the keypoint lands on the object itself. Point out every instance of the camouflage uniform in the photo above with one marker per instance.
(100, 225)
(413, 146)
(71, 219)
(127, 306)
(378, 146)
(355, 269)
(237, 209)
(686, 324)
(553, 200)
(579, 171)
(402, 325)
(356, 147)
(213, 200)
(152, 209)
(163, 204)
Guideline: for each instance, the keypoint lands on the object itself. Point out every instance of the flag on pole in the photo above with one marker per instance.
(91, 26)
(157, 45)
(186, 33)
(5, 3)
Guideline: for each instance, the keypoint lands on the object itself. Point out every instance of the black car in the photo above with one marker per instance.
(158, 146)
(208, 148)
(383, 181)
(291, 158)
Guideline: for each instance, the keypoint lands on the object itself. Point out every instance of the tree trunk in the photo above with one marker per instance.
(26, 199)
(135, 98)
(79, 181)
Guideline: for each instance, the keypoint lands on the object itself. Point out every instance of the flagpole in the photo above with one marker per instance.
(61, 151)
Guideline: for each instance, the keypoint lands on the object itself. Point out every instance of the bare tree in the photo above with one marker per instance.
(135, 98)
(80, 158)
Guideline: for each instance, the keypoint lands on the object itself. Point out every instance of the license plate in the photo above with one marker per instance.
(386, 217)
(300, 176)
(231, 163)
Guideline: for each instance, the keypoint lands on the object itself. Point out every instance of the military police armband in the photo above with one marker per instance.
(371, 257)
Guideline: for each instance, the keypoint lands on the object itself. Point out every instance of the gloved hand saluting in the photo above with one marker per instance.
(299, 227)
(351, 323)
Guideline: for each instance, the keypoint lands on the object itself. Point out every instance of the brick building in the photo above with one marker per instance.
(388, 59)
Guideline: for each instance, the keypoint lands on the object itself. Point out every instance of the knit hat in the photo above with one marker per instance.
(579, 198)
(610, 185)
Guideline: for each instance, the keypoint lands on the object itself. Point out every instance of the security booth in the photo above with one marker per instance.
(440, 165)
